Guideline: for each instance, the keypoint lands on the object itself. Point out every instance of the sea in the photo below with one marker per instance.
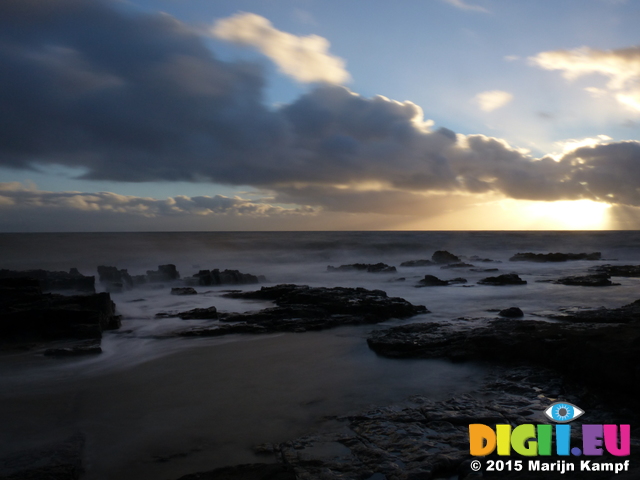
(159, 408)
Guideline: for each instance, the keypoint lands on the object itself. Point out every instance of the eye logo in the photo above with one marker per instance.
(563, 412)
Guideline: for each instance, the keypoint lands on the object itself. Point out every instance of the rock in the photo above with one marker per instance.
(226, 277)
(594, 280)
(433, 281)
(511, 312)
(506, 279)
(210, 313)
(582, 352)
(618, 270)
(113, 279)
(626, 314)
(417, 263)
(476, 258)
(52, 281)
(165, 273)
(78, 349)
(183, 291)
(482, 270)
(37, 315)
(301, 308)
(442, 256)
(253, 471)
(457, 265)
(363, 267)
(554, 257)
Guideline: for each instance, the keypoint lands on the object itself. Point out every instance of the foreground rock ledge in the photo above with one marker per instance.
(300, 308)
(601, 356)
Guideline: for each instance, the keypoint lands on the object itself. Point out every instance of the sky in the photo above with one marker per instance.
(199, 115)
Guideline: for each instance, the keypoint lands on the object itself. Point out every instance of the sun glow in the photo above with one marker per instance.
(569, 214)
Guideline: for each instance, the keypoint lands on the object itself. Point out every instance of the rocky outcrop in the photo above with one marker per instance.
(226, 277)
(456, 265)
(582, 352)
(618, 270)
(113, 279)
(364, 267)
(554, 257)
(442, 256)
(165, 273)
(26, 312)
(506, 279)
(417, 263)
(52, 281)
(593, 280)
(626, 314)
(210, 313)
(511, 312)
(300, 308)
(183, 291)
(433, 281)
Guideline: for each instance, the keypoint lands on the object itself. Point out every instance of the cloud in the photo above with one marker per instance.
(462, 5)
(307, 59)
(153, 103)
(17, 195)
(492, 100)
(621, 67)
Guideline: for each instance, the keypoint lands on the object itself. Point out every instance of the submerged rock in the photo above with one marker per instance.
(457, 265)
(554, 257)
(506, 279)
(626, 314)
(364, 267)
(442, 256)
(90, 348)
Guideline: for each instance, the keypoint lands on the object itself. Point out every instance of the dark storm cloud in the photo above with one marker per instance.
(141, 98)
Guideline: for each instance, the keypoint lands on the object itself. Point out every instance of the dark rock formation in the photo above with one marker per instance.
(422, 438)
(433, 281)
(483, 270)
(417, 263)
(582, 352)
(476, 258)
(511, 312)
(253, 471)
(625, 314)
(113, 279)
(226, 277)
(183, 291)
(554, 257)
(363, 267)
(165, 273)
(506, 279)
(457, 265)
(210, 313)
(618, 270)
(301, 308)
(50, 281)
(442, 256)
(593, 280)
(26, 312)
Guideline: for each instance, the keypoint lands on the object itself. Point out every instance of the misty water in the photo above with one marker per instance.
(159, 408)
